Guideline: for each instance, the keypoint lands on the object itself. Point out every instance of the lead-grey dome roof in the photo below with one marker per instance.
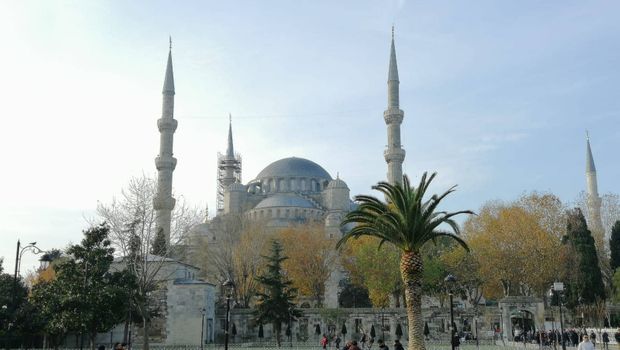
(284, 200)
(294, 167)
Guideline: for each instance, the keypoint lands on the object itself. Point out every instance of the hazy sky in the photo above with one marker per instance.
(497, 97)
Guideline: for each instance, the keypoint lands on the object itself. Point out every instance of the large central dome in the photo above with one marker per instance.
(294, 167)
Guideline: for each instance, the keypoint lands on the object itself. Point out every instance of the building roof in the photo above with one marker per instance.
(284, 200)
(294, 167)
(337, 183)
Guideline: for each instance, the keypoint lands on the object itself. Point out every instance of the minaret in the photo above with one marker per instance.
(228, 169)
(393, 115)
(163, 203)
(594, 201)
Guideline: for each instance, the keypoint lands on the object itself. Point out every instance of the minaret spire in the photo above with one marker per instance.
(593, 199)
(163, 203)
(393, 115)
(230, 150)
(169, 78)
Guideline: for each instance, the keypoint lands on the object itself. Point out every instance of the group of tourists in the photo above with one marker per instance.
(572, 337)
(117, 346)
(365, 343)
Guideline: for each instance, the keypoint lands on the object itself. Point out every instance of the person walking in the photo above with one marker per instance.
(593, 338)
(585, 344)
(398, 345)
(456, 341)
(605, 338)
(382, 345)
(324, 342)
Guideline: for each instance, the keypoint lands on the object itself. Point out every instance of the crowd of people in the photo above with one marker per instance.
(365, 343)
(571, 337)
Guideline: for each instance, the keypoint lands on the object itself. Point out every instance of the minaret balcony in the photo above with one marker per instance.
(393, 115)
(167, 124)
(394, 155)
(162, 203)
(165, 162)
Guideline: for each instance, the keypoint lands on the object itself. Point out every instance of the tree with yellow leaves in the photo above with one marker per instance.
(377, 270)
(311, 258)
(517, 245)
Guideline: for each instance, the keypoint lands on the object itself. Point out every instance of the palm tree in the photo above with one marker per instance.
(408, 222)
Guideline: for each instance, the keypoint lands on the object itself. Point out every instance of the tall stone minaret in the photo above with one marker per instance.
(393, 115)
(163, 203)
(594, 201)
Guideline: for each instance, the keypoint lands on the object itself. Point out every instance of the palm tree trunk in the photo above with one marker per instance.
(411, 269)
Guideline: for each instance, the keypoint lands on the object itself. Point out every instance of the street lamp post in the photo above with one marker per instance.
(290, 325)
(523, 333)
(203, 311)
(18, 260)
(558, 288)
(450, 281)
(553, 322)
(229, 286)
(501, 326)
(383, 323)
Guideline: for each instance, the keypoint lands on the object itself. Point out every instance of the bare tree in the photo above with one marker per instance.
(232, 249)
(131, 218)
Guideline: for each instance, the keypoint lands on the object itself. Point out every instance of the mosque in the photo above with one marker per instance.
(290, 191)
(286, 192)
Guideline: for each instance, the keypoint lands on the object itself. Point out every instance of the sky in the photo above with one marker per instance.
(497, 96)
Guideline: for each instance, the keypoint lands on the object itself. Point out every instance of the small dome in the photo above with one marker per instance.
(337, 183)
(284, 200)
(294, 167)
(236, 187)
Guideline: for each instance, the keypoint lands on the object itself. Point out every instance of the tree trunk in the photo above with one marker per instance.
(91, 339)
(411, 269)
(145, 333)
(126, 332)
(276, 331)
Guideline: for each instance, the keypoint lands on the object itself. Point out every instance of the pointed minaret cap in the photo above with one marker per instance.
(230, 151)
(169, 80)
(590, 168)
(393, 72)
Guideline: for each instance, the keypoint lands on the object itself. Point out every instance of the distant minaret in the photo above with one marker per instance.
(393, 115)
(228, 169)
(165, 162)
(594, 201)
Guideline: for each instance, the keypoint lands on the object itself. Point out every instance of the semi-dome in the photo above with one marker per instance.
(294, 167)
(337, 183)
(284, 200)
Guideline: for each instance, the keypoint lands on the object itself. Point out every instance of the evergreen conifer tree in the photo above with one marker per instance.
(614, 246)
(275, 300)
(585, 281)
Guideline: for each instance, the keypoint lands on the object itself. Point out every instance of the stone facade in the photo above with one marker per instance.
(190, 313)
(359, 320)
